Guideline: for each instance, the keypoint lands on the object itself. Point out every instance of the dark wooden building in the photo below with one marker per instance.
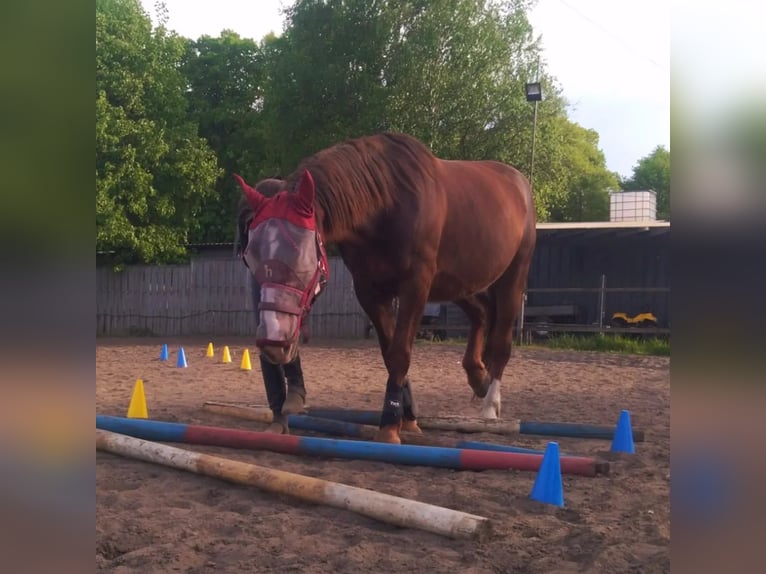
(624, 255)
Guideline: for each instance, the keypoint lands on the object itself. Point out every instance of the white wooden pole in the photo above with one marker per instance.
(394, 510)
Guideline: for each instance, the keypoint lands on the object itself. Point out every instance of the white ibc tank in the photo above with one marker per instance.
(632, 206)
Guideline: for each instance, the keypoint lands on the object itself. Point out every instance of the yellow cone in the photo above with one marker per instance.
(246, 361)
(209, 352)
(226, 354)
(137, 408)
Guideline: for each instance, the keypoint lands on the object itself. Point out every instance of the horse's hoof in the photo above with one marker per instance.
(491, 410)
(389, 434)
(278, 428)
(491, 407)
(481, 388)
(294, 404)
(411, 426)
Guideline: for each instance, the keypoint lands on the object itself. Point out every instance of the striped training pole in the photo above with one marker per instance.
(454, 458)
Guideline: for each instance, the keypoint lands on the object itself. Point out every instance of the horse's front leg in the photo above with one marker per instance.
(398, 404)
(380, 310)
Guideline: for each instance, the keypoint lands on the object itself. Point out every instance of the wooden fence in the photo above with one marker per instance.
(210, 297)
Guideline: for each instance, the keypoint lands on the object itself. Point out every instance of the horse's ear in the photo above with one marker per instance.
(305, 194)
(254, 197)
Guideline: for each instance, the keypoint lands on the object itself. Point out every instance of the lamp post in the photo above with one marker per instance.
(534, 93)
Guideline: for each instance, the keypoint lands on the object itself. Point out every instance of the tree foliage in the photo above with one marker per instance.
(452, 73)
(653, 172)
(225, 81)
(579, 178)
(449, 72)
(326, 76)
(152, 169)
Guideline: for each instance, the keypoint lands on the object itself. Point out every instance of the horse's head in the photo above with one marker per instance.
(285, 254)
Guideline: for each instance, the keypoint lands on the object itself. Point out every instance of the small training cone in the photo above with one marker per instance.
(623, 435)
(209, 352)
(226, 354)
(137, 407)
(164, 353)
(181, 358)
(548, 487)
(245, 365)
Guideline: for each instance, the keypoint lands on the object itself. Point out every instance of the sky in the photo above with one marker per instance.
(610, 57)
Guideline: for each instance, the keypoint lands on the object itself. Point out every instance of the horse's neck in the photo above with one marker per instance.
(324, 233)
(346, 221)
(330, 235)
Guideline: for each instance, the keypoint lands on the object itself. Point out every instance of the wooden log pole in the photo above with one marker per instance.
(453, 423)
(475, 424)
(386, 508)
(355, 430)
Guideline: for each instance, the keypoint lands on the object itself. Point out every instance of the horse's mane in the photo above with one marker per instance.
(359, 178)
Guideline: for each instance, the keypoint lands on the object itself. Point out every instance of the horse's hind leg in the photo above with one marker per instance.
(507, 292)
(476, 308)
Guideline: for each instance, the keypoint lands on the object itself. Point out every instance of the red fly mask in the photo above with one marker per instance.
(285, 254)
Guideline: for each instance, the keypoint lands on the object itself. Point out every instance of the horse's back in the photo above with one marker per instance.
(489, 217)
(487, 194)
(496, 181)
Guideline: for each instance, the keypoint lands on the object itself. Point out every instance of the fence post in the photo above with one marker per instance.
(601, 303)
(520, 325)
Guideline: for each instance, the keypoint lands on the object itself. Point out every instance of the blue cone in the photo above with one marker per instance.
(164, 353)
(548, 487)
(623, 435)
(181, 358)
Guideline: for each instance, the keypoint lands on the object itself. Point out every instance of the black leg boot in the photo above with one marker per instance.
(409, 420)
(296, 389)
(274, 382)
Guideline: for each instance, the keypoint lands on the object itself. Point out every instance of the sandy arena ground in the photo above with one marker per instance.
(151, 518)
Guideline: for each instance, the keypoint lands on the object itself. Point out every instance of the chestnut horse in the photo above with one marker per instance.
(409, 225)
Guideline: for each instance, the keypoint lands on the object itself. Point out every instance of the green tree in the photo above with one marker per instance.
(152, 169)
(580, 179)
(653, 172)
(456, 75)
(450, 72)
(225, 78)
(326, 76)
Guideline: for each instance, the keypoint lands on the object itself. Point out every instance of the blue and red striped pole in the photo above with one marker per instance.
(454, 458)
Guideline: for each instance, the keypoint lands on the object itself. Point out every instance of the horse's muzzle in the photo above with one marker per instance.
(279, 354)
